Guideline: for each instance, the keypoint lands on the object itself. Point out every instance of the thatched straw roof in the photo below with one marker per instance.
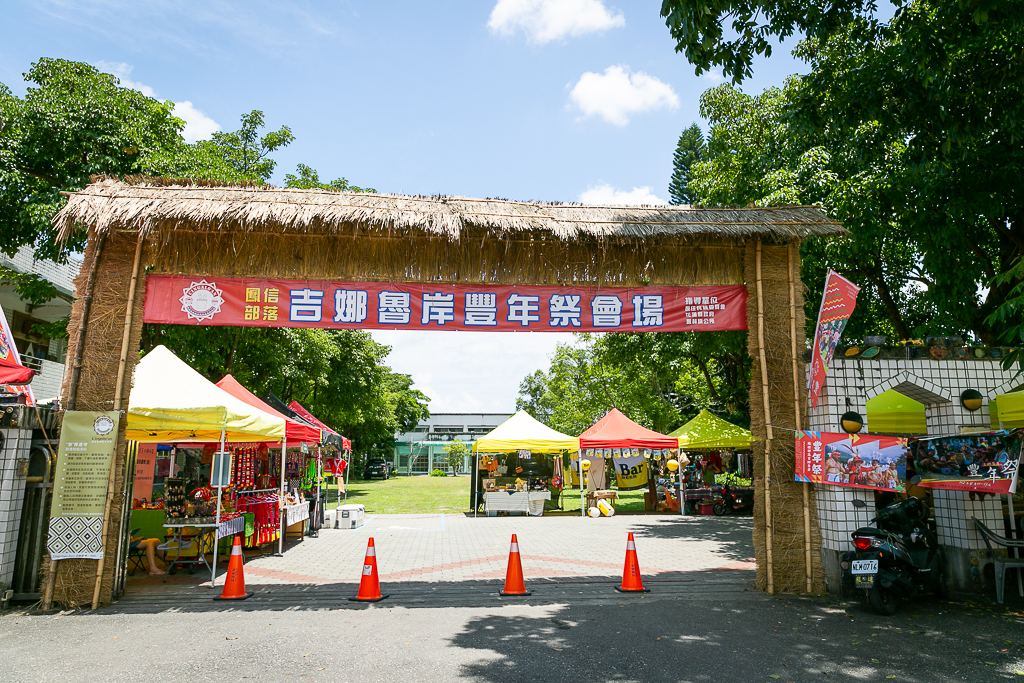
(111, 204)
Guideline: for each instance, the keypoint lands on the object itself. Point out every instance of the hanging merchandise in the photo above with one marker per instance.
(174, 498)
(264, 507)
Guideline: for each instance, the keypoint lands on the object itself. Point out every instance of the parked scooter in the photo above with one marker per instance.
(736, 501)
(899, 558)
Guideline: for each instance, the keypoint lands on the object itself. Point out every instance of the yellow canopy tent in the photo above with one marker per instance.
(523, 432)
(893, 413)
(707, 431)
(1007, 411)
(171, 402)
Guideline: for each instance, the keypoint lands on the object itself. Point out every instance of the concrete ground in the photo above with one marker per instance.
(456, 548)
(702, 620)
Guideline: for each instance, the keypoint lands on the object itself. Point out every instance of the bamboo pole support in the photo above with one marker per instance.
(798, 413)
(768, 529)
(118, 394)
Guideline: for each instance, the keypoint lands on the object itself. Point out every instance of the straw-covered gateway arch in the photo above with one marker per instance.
(151, 227)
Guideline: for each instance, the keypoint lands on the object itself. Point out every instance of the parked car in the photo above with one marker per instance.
(376, 467)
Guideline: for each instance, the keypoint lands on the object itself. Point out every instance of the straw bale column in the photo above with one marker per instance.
(75, 579)
(779, 530)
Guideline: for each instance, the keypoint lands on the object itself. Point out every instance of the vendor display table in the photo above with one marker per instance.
(294, 519)
(594, 496)
(527, 502)
(204, 536)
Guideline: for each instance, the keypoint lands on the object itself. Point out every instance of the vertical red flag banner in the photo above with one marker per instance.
(837, 304)
(863, 461)
(9, 352)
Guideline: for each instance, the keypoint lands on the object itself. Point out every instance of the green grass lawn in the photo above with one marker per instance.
(424, 495)
(408, 494)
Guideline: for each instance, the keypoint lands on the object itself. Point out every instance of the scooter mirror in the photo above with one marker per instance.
(858, 503)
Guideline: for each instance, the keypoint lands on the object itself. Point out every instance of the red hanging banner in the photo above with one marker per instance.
(387, 306)
(837, 303)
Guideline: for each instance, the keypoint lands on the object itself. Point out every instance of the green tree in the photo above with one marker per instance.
(690, 149)
(457, 453)
(653, 378)
(922, 112)
(73, 122)
(339, 375)
(756, 155)
(309, 179)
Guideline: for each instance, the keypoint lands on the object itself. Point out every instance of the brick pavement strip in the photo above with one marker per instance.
(454, 548)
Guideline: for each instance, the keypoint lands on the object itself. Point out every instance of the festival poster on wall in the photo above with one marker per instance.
(863, 461)
(630, 471)
(9, 352)
(145, 466)
(172, 299)
(837, 304)
(977, 462)
(87, 440)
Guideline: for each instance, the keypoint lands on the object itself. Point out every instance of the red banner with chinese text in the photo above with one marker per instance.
(863, 461)
(837, 304)
(376, 305)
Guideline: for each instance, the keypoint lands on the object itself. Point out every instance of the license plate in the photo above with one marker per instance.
(864, 567)
(864, 581)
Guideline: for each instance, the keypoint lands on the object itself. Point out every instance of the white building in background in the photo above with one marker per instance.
(422, 450)
(44, 355)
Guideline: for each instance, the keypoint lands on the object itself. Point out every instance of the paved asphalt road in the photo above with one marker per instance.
(711, 626)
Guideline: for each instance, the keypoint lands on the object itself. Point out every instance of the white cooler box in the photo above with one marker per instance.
(350, 516)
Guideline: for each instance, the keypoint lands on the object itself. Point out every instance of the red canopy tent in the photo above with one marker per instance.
(615, 430)
(297, 407)
(294, 430)
(13, 373)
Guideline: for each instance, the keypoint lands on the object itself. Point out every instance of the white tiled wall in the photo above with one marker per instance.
(839, 517)
(17, 444)
(937, 384)
(953, 512)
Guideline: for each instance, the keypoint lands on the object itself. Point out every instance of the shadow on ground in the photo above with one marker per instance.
(755, 640)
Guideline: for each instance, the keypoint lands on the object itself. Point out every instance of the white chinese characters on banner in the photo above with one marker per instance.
(438, 307)
(523, 309)
(481, 309)
(349, 305)
(701, 310)
(607, 310)
(394, 308)
(565, 310)
(307, 305)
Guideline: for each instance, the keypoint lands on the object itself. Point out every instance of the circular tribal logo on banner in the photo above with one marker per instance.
(201, 300)
(103, 425)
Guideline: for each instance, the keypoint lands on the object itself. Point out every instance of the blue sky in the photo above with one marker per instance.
(573, 100)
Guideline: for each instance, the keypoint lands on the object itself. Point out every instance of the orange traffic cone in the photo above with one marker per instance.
(369, 584)
(514, 574)
(631, 581)
(234, 580)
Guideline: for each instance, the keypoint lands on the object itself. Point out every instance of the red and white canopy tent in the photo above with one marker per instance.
(345, 443)
(615, 430)
(294, 432)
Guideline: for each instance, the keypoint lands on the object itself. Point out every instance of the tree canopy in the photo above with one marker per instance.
(75, 121)
(906, 129)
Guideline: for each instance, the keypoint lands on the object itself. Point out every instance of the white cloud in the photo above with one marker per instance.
(198, 126)
(617, 93)
(606, 194)
(714, 75)
(546, 20)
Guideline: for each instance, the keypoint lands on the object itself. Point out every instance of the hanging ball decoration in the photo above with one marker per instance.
(851, 422)
(585, 465)
(672, 465)
(971, 399)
